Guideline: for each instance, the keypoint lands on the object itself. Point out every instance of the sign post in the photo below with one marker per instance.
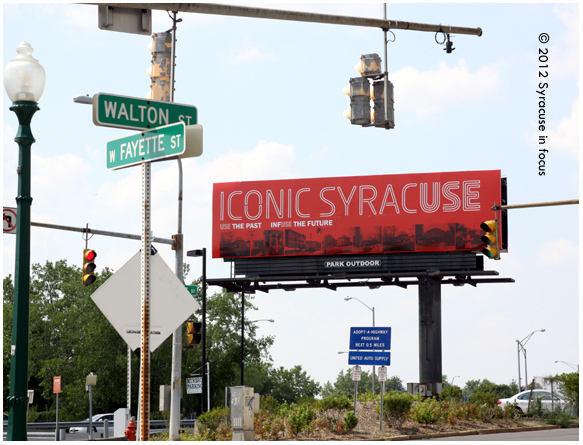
(356, 371)
(57, 390)
(382, 379)
(194, 385)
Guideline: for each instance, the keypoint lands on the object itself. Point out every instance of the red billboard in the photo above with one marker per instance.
(422, 212)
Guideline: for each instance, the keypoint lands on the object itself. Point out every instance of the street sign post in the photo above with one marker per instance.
(134, 113)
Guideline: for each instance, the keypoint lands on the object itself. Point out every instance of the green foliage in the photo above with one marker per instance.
(344, 385)
(269, 404)
(453, 393)
(292, 385)
(209, 423)
(397, 407)
(299, 419)
(426, 412)
(570, 387)
(559, 417)
(484, 398)
(350, 420)
(333, 406)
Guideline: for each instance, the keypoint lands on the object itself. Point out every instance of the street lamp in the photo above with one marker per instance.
(205, 389)
(24, 81)
(372, 309)
(520, 346)
(453, 379)
(575, 367)
(90, 382)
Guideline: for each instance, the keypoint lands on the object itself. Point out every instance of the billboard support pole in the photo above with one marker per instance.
(430, 369)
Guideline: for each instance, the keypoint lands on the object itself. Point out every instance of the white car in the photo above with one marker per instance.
(547, 401)
(96, 429)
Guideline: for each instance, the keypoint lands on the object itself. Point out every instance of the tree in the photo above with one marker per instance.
(69, 337)
(223, 347)
(292, 385)
(570, 387)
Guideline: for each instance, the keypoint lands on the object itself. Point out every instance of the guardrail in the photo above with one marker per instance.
(51, 425)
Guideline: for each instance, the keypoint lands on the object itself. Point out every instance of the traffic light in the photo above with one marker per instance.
(193, 331)
(89, 267)
(361, 94)
(490, 239)
(159, 72)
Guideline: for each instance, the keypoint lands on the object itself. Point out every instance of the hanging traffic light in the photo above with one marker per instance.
(89, 267)
(490, 239)
(361, 94)
(378, 97)
(159, 72)
(193, 331)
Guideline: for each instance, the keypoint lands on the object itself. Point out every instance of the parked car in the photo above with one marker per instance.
(521, 400)
(5, 421)
(96, 429)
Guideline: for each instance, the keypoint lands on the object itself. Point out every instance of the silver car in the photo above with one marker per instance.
(96, 429)
(548, 402)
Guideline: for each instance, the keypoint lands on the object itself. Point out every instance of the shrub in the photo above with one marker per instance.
(396, 408)
(268, 425)
(559, 417)
(300, 419)
(350, 420)
(453, 393)
(341, 427)
(269, 404)
(427, 412)
(210, 421)
(334, 405)
(484, 398)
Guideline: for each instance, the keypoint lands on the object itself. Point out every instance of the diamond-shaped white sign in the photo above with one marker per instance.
(120, 300)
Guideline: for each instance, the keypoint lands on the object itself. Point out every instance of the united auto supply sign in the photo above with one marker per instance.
(423, 212)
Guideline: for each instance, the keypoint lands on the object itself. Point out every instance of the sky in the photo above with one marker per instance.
(269, 98)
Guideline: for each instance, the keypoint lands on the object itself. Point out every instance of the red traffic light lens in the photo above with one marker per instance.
(90, 255)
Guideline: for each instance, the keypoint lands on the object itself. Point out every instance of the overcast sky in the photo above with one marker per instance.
(269, 96)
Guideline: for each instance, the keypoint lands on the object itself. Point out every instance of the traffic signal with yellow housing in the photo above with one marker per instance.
(159, 72)
(361, 93)
(490, 239)
(89, 267)
(193, 331)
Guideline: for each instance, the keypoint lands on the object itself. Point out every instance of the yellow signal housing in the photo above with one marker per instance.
(193, 332)
(490, 239)
(89, 267)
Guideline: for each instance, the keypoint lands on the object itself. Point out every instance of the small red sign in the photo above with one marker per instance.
(56, 384)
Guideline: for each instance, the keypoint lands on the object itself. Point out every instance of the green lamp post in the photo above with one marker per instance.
(24, 81)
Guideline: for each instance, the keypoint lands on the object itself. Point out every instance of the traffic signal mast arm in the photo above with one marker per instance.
(536, 204)
(276, 14)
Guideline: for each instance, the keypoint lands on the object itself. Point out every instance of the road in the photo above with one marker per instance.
(544, 435)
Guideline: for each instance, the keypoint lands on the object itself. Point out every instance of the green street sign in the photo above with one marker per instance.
(193, 290)
(153, 145)
(134, 113)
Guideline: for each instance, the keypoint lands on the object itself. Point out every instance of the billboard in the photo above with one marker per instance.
(422, 212)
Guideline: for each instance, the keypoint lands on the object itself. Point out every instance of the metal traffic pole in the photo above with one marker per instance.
(144, 430)
(174, 425)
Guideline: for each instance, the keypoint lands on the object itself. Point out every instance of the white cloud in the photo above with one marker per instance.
(566, 53)
(565, 136)
(429, 92)
(558, 252)
(250, 53)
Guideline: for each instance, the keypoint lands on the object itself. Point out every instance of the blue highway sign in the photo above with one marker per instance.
(370, 338)
(376, 358)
